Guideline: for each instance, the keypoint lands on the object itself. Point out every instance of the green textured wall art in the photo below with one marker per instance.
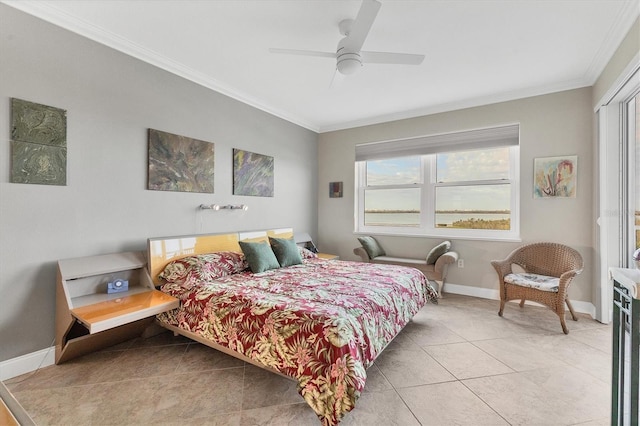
(252, 174)
(179, 163)
(38, 143)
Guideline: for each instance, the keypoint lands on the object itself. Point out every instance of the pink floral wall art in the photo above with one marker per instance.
(555, 177)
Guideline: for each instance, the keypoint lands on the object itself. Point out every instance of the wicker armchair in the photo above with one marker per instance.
(549, 269)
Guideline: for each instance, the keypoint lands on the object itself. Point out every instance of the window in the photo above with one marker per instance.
(462, 184)
(392, 195)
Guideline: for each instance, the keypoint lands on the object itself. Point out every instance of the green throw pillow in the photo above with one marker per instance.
(372, 247)
(286, 251)
(438, 251)
(259, 256)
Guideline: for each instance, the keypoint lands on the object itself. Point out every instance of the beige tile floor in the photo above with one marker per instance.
(456, 363)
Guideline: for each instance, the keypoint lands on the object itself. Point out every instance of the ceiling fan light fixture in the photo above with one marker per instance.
(349, 55)
(349, 63)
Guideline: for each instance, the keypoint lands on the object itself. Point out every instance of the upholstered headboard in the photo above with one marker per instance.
(161, 251)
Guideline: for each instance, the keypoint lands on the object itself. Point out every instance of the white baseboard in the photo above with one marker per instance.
(27, 363)
(45, 357)
(485, 293)
(584, 307)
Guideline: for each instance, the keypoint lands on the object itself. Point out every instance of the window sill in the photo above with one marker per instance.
(509, 239)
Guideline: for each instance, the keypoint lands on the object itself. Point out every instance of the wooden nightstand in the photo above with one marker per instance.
(11, 412)
(88, 318)
(328, 256)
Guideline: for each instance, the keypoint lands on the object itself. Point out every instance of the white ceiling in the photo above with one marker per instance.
(477, 51)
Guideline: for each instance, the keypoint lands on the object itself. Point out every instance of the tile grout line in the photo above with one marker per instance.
(485, 402)
(397, 393)
(422, 332)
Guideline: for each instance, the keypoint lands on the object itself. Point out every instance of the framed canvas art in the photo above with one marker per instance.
(179, 163)
(38, 143)
(252, 174)
(555, 177)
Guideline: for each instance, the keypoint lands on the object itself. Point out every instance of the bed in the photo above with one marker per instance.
(320, 322)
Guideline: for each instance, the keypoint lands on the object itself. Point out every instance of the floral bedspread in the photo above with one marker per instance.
(321, 322)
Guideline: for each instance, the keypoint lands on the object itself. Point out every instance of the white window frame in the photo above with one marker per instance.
(629, 167)
(428, 187)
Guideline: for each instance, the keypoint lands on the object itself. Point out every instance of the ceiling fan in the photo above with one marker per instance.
(349, 57)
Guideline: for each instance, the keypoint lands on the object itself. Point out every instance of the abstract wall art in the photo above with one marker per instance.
(38, 143)
(252, 174)
(179, 163)
(555, 177)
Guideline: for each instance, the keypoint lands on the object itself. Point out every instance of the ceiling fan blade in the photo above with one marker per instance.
(303, 52)
(391, 58)
(336, 80)
(361, 26)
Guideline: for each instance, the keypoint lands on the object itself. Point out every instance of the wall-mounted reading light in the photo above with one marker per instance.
(209, 207)
(226, 207)
(237, 207)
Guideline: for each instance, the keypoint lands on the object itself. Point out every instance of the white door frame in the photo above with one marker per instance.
(609, 229)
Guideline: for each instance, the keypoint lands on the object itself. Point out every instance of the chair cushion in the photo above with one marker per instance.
(390, 259)
(438, 251)
(540, 282)
(372, 247)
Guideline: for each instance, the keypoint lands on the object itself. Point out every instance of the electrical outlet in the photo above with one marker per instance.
(460, 263)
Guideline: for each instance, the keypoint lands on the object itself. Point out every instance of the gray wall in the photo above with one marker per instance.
(111, 100)
(550, 125)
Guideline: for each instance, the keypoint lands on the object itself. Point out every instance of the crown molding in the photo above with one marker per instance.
(618, 31)
(45, 11)
(632, 70)
(53, 15)
(454, 106)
